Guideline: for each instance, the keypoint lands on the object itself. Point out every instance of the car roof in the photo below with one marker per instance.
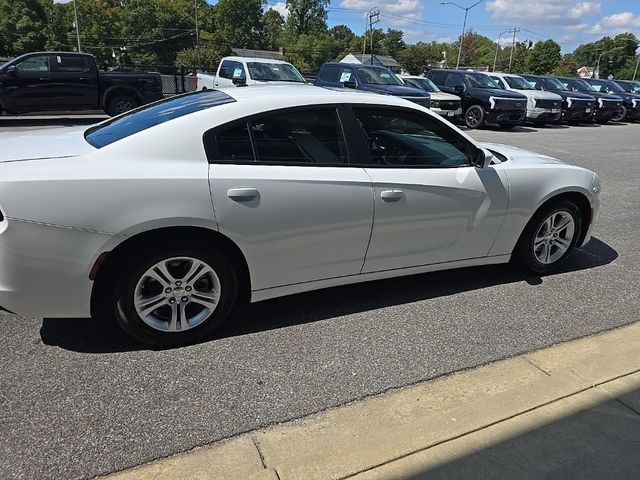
(255, 59)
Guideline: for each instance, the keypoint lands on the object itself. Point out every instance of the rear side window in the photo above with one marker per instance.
(330, 74)
(154, 114)
(234, 144)
(71, 63)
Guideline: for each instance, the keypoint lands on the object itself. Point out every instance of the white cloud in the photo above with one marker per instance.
(403, 15)
(281, 8)
(617, 23)
(542, 12)
(393, 6)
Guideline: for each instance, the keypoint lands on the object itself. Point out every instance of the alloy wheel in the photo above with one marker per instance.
(473, 118)
(554, 237)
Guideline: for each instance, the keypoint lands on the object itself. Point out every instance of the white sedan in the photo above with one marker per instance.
(168, 216)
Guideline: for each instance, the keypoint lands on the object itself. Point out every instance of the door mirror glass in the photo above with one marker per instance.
(239, 82)
(12, 71)
(482, 158)
(349, 84)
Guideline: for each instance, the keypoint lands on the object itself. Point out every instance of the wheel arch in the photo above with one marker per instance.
(116, 90)
(105, 269)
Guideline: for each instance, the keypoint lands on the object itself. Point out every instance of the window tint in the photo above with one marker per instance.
(400, 138)
(34, 64)
(499, 82)
(453, 80)
(153, 114)
(330, 74)
(71, 63)
(234, 144)
(230, 69)
(438, 77)
(309, 136)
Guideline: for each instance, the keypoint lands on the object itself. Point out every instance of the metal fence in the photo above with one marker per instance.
(175, 80)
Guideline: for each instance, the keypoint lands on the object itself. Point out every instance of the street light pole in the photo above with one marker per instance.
(464, 24)
(495, 58)
(75, 13)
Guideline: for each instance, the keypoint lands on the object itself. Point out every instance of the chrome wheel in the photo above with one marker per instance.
(473, 118)
(177, 294)
(554, 237)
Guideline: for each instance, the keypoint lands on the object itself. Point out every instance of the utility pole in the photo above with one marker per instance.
(464, 24)
(513, 45)
(495, 58)
(636, 71)
(75, 13)
(373, 13)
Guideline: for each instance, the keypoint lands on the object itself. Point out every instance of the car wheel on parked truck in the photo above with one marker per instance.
(121, 104)
(474, 117)
(549, 238)
(174, 293)
(621, 117)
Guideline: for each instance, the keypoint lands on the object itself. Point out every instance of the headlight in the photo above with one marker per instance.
(634, 102)
(435, 103)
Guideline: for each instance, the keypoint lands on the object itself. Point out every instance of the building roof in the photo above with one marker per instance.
(244, 52)
(383, 60)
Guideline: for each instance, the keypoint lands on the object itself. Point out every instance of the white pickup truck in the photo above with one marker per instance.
(249, 71)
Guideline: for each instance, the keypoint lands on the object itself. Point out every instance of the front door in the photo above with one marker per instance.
(284, 193)
(29, 87)
(431, 205)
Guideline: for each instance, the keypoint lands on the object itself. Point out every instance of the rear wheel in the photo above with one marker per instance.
(121, 104)
(474, 117)
(549, 238)
(174, 294)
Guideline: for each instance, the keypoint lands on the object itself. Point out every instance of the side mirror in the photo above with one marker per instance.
(349, 84)
(239, 82)
(12, 71)
(458, 89)
(482, 158)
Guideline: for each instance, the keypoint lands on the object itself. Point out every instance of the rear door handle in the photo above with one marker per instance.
(243, 194)
(391, 195)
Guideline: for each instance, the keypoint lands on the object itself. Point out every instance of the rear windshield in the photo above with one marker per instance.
(154, 114)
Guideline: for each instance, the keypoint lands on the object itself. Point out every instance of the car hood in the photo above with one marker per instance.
(398, 90)
(43, 144)
(443, 96)
(519, 156)
(603, 96)
(485, 93)
(540, 94)
(568, 93)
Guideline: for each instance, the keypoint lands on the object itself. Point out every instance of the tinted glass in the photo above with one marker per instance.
(480, 80)
(399, 138)
(34, 64)
(154, 114)
(422, 83)
(234, 144)
(581, 85)
(378, 76)
(231, 69)
(553, 84)
(518, 83)
(499, 82)
(438, 77)
(614, 87)
(309, 136)
(453, 80)
(598, 85)
(330, 74)
(346, 75)
(71, 63)
(274, 72)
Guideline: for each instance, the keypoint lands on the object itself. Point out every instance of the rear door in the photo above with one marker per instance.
(74, 81)
(431, 205)
(284, 192)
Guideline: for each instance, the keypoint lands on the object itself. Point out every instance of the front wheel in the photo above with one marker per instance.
(550, 238)
(175, 295)
(621, 116)
(474, 117)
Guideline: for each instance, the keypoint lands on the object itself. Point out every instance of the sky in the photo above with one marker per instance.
(569, 22)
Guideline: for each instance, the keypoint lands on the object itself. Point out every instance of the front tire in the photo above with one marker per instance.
(549, 238)
(621, 116)
(174, 294)
(474, 117)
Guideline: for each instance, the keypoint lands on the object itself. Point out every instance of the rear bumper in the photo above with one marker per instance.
(44, 270)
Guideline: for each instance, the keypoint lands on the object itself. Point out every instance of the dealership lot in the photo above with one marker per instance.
(78, 399)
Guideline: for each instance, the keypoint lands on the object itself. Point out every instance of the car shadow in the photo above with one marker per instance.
(50, 121)
(553, 126)
(517, 129)
(92, 336)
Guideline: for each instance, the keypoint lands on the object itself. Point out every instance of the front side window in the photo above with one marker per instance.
(305, 137)
(34, 65)
(400, 138)
(453, 80)
(232, 70)
(499, 82)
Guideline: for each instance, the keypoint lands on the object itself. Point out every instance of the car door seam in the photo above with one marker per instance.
(373, 218)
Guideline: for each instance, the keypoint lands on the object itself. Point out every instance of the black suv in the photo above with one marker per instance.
(576, 107)
(607, 107)
(483, 101)
(630, 101)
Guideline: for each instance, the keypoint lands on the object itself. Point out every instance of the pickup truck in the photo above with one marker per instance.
(65, 81)
(607, 107)
(444, 104)
(483, 101)
(630, 101)
(369, 78)
(241, 71)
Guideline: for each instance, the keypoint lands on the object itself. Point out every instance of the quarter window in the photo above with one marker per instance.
(34, 64)
(399, 138)
(309, 136)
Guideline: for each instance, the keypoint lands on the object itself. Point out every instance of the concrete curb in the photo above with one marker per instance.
(417, 428)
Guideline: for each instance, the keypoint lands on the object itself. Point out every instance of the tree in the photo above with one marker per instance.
(212, 48)
(273, 29)
(23, 25)
(343, 36)
(417, 58)
(567, 67)
(392, 43)
(306, 17)
(240, 22)
(544, 57)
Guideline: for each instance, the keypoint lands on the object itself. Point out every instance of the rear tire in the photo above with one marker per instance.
(474, 117)
(549, 238)
(121, 104)
(174, 294)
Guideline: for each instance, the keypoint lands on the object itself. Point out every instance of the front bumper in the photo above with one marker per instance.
(544, 114)
(44, 270)
(451, 114)
(577, 114)
(506, 117)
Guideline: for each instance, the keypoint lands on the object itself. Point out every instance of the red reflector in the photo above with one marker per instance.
(96, 266)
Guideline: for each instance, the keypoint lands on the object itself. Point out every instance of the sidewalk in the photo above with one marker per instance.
(569, 411)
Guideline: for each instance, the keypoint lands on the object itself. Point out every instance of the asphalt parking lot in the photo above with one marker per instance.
(78, 399)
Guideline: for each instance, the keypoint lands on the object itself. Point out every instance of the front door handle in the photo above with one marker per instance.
(391, 195)
(243, 194)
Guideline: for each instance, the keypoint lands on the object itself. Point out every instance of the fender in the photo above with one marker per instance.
(110, 90)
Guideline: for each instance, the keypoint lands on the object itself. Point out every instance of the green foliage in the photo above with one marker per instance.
(417, 58)
(544, 57)
(392, 43)
(212, 48)
(273, 29)
(306, 17)
(240, 21)
(567, 67)
(22, 26)
(615, 54)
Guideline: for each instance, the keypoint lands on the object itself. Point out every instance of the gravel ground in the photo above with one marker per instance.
(78, 399)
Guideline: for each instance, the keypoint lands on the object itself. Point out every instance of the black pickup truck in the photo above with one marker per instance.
(71, 81)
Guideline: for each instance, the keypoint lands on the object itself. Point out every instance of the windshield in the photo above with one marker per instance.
(153, 114)
(518, 83)
(614, 87)
(479, 80)
(274, 72)
(629, 87)
(553, 84)
(583, 86)
(378, 76)
(425, 84)
(598, 85)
